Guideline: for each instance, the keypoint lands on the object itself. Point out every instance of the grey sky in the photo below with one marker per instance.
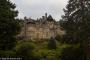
(37, 8)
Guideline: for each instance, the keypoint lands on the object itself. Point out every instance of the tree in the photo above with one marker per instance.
(52, 43)
(9, 25)
(76, 21)
(72, 53)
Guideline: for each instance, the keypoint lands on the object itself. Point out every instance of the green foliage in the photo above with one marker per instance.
(7, 53)
(58, 37)
(72, 53)
(52, 43)
(36, 56)
(25, 50)
(31, 50)
(76, 21)
(9, 26)
(52, 55)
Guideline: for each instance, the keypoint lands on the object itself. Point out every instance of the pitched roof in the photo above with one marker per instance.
(49, 18)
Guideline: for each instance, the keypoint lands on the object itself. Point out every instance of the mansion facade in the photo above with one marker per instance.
(43, 28)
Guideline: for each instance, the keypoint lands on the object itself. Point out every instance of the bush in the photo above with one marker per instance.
(25, 50)
(72, 53)
(7, 53)
(36, 56)
(58, 37)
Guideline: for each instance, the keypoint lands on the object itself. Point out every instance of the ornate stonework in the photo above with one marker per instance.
(43, 28)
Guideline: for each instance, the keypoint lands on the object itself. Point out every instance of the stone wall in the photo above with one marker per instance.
(43, 31)
(43, 28)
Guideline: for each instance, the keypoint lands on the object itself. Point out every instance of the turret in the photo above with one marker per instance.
(49, 18)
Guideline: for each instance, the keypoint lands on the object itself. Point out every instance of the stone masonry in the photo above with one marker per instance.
(43, 28)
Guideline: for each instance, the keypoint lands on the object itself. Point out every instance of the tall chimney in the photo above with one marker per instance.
(25, 27)
(46, 16)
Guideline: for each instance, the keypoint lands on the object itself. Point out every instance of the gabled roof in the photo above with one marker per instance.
(49, 18)
(32, 21)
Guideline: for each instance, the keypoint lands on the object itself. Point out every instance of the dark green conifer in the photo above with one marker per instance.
(52, 43)
(9, 26)
(76, 21)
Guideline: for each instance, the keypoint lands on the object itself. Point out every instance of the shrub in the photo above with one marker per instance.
(7, 53)
(25, 50)
(72, 53)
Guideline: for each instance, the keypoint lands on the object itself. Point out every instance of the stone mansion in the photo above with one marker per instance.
(43, 28)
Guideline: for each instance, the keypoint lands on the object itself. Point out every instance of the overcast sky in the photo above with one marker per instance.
(37, 8)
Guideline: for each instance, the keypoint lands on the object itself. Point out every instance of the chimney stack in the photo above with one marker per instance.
(45, 16)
